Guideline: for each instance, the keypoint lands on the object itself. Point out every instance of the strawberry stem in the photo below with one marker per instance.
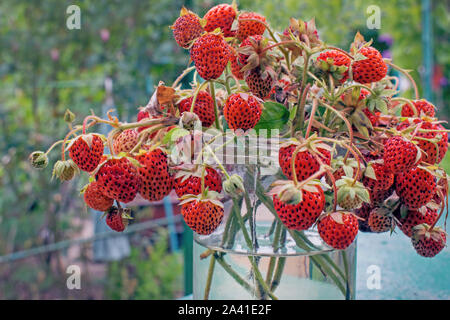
(406, 73)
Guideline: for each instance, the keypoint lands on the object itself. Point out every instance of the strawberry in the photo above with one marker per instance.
(416, 217)
(280, 86)
(187, 28)
(242, 111)
(117, 218)
(378, 196)
(125, 141)
(303, 214)
(95, 199)
(210, 54)
(430, 154)
(118, 179)
(86, 151)
(400, 154)
(384, 177)
(142, 114)
(380, 221)
(422, 107)
(203, 213)
(415, 187)
(363, 214)
(204, 107)
(221, 16)
(373, 117)
(428, 242)
(337, 59)
(156, 180)
(338, 229)
(305, 163)
(188, 182)
(252, 41)
(371, 69)
(259, 83)
(235, 65)
(250, 28)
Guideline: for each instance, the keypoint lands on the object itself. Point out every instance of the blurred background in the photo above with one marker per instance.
(123, 49)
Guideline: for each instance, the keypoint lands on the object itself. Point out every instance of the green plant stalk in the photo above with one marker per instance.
(212, 263)
(234, 274)
(275, 244)
(278, 273)
(212, 90)
(348, 290)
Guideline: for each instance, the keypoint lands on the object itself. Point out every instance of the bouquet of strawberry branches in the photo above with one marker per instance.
(353, 154)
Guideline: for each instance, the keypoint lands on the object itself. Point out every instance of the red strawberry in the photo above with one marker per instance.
(301, 216)
(204, 107)
(422, 106)
(305, 163)
(186, 28)
(338, 229)
(95, 199)
(118, 179)
(336, 58)
(250, 28)
(378, 196)
(373, 117)
(259, 83)
(428, 243)
(363, 213)
(125, 141)
(221, 16)
(156, 180)
(235, 65)
(416, 217)
(251, 41)
(86, 151)
(384, 177)
(380, 221)
(190, 182)
(142, 114)
(210, 54)
(202, 215)
(117, 219)
(415, 187)
(400, 154)
(242, 111)
(430, 154)
(371, 69)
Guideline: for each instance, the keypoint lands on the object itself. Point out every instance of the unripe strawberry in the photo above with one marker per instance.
(242, 111)
(371, 69)
(86, 151)
(338, 229)
(221, 16)
(38, 160)
(380, 221)
(125, 141)
(95, 198)
(250, 28)
(210, 54)
(187, 28)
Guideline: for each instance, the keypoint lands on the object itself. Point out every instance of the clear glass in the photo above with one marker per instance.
(294, 265)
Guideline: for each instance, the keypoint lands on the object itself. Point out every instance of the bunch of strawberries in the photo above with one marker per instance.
(354, 155)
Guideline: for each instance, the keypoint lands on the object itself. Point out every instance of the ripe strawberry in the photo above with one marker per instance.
(363, 213)
(422, 107)
(371, 69)
(117, 219)
(202, 214)
(252, 41)
(428, 243)
(416, 217)
(384, 177)
(86, 151)
(204, 107)
(338, 229)
(373, 117)
(125, 141)
(188, 182)
(156, 180)
(221, 16)
(380, 221)
(430, 154)
(210, 54)
(242, 111)
(95, 199)
(250, 28)
(301, 216)
(378, 196)
(235, 65)
(118, 179)
(259, 82)
(305, 163)
(187, 28)
(400, 154)
(142, 114)
(336, 58)
(415, 187)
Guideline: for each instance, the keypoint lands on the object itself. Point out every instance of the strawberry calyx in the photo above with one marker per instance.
(290, 193)
(205, 196)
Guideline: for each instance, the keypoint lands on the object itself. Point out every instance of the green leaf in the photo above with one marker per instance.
(274, 116)
(174, 134)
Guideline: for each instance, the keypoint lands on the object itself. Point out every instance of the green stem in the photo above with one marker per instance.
(212, 89)
(234, 274)
(212, 263)
(348, 293)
